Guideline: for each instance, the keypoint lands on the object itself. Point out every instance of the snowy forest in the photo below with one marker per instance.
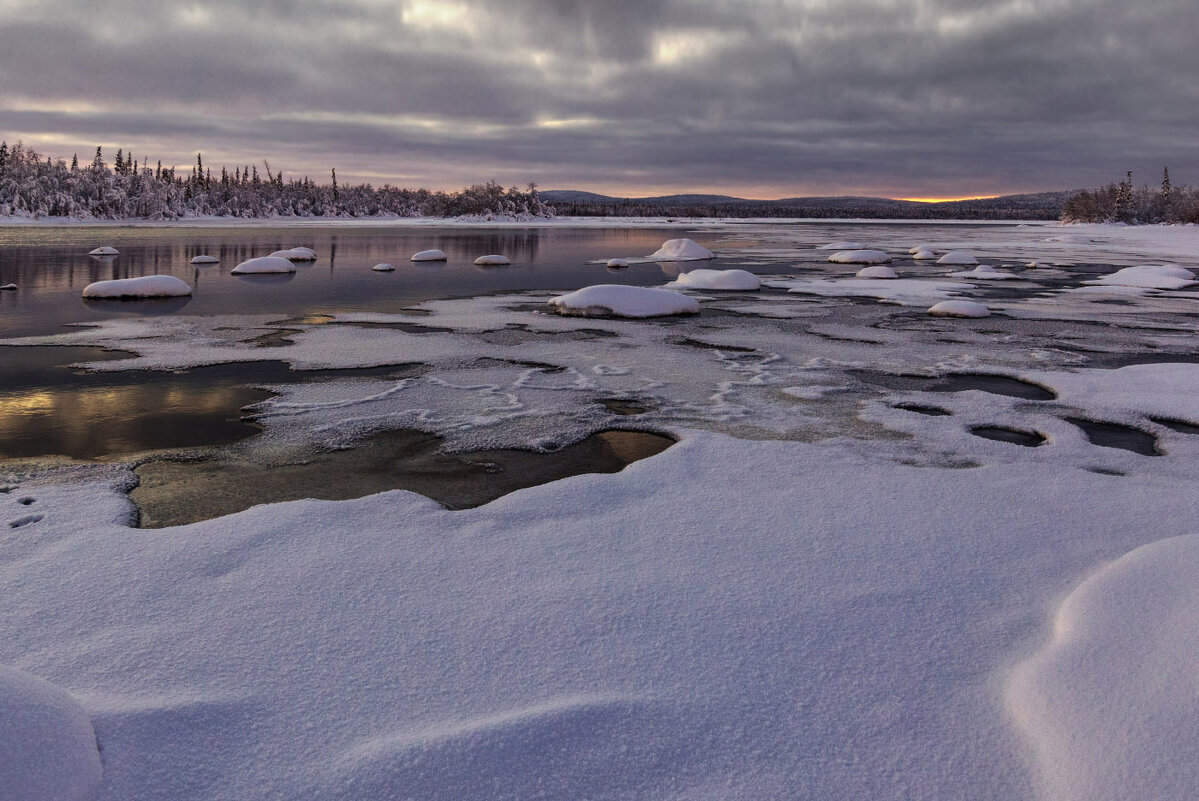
(1126, 203)
(36, 186)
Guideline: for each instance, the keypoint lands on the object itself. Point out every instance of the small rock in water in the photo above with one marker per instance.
(618, 262)
(494, 260)
(428, 255)
(205, 259)
(8, 288)
(383, 268)
(104, 251)
(959, 308)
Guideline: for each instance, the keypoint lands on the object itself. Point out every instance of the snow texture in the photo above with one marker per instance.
(681, 250)
(860, 257)
(104, 251)
(624, 301)
(494, 260)
(876, 271)
(1149, 276)
(47, 744)
(264, 265)
(959, 308)
(428, 255)
(147, 286)
(205, 259)
(383, 267)
(963, 257)
(716, 279)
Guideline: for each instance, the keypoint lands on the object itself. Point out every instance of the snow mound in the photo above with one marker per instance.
(383, 268)
(1108, 704)
(494, 260)
(47, 744)
(924, 255)
(984, 272)
(1149, 276)
(8, 287)
(296, 254)
(104, 251)
(264, 264)
(842, 246)
(205, 259)
(681, 250)
(922, 248)
(963, 257)
(876, 271)
(428, 255)
(860, 257)
(1032, 265)
(618, 300)
(147, 286)
(959, 308)
(618, 262)
(717, 279)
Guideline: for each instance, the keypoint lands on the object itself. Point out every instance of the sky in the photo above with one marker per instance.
(755, 98)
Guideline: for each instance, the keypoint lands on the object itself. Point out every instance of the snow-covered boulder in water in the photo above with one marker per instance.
(104, 251)
(717, 279)
(618, 262)
(1149, 276)
(428, 255)
(8, 288)
(681, 250)
(876, 271)
(922, 248)
(264, 265)
(147, 286)
(842, 246)
(296, 254)
(859, 257)
(47, 743)
(959, 308)
(205, 259)
(618, 300)
(924, 255)
(963, 257)
(383, 268)
(983, 272)
(494, 260)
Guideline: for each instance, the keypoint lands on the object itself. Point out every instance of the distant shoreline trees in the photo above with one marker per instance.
(34, 186)
(1126, 203)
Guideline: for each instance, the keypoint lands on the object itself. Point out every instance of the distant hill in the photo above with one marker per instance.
(1038, 206)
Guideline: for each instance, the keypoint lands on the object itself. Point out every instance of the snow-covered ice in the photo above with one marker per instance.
(493, 260)
(147, 286)
(959, 308)
(428, 255)
(876, 271)
(716, 279)
(624, 301)
(104, 250)
(681, 250)
(47, 745)
(264, 265)
(1149, 276)
(860, 257)
(205, 259)
(383, 267)
(963, 257)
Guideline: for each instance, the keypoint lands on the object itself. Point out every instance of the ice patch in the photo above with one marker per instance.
(1149, 276)
(147, 286)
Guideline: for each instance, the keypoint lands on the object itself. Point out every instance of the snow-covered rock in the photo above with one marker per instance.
(681, 250)
(918, 248)
(959, 308)
(428, 255)
(147, 286)
(494, 260)
(964, 257)
(983, 272)
(1032, 265)
(618, 300)
(296, 254)
(876, 271)
(104, 251)
(860, 257)
(1149, 276)
(264, 264)
(842, 246)
(717, 279)
(8, 288)
(924, 255)
(383, 267)
(48, 747)
(618, 262)
(205, 259)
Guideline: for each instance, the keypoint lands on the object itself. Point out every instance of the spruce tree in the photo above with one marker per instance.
(3, 153)
(98, 161)
(75, 162)
(120, 167)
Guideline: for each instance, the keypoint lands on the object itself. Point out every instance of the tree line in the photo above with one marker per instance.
(36, 186)
(1126, 203)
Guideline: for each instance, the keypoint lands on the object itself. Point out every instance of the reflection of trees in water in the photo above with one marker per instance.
(519, 245)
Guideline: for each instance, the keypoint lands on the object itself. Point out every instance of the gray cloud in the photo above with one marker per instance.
(925, 97)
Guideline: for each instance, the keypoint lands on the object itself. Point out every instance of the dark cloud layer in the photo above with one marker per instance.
(765, 97)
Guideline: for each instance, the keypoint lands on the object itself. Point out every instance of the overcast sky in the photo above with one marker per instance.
(762, 98)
